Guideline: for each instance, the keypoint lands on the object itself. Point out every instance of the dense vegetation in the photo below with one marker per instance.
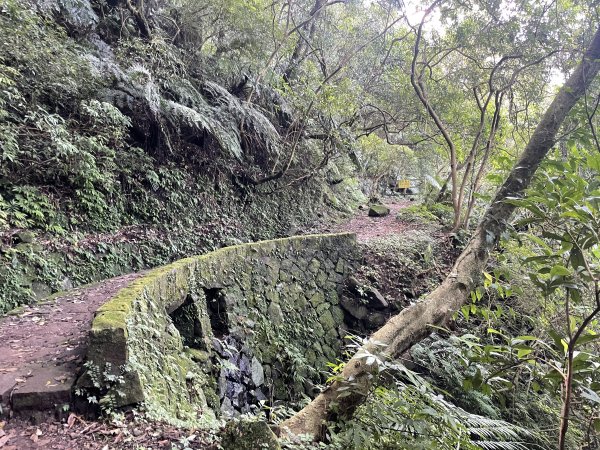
(136, 132)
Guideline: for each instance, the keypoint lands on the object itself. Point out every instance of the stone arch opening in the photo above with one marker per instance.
(217, 311)
(187, 320)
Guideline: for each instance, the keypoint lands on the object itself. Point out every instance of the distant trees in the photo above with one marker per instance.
(465, 78)
(383, 164)
(341, 398)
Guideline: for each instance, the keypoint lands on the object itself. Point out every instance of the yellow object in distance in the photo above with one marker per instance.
(403, 184)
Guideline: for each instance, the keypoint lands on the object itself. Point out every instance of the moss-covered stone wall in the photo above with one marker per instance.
(225, 330)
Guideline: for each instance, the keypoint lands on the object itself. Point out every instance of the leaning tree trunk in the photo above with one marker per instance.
(413, 323)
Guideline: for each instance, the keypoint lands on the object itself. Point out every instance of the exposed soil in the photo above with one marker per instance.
(367, 228)
(77, 433)
(400, 282)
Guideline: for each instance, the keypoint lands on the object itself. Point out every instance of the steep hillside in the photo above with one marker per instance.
(122, 151)
(136, 133)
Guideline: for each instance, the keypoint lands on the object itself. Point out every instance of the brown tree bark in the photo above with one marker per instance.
(137, 11)
(486, 154)
(419, 87)
(413, 323)
(303, 42)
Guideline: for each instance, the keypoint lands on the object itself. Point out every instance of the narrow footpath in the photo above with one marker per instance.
(367, 228)
(43, 346)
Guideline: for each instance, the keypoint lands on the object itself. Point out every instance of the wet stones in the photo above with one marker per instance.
(241, 377)
(373, 297)
(366, 309)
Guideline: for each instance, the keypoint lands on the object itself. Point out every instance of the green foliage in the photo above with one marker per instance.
(544, 343)
(123, 153)
(104, 389)
(416, 214)
(443, 362)
(422, 213)
(97, 146)
(407, 412)
(443, 212)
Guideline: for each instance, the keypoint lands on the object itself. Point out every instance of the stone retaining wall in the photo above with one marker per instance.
(223, 331)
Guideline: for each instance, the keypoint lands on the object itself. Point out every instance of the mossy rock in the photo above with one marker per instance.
(248, 435)
(424, 214)
(378, 211)
(26, 237)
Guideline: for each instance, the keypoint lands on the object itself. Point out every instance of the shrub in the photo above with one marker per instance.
(436, 213)
(444, 213)
(416, 214)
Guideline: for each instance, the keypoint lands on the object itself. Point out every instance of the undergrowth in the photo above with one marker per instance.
(121, 156)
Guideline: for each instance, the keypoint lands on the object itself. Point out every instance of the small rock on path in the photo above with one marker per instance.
(367, 228)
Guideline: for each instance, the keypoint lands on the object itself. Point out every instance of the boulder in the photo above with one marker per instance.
(258, 374)
(78, 15)
(354, 307)
(25, 237)
(275, 314)
(374, 298)
(378, 211)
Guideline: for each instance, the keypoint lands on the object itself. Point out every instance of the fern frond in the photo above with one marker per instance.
(496, 434)
(502, 445)
(254, 120)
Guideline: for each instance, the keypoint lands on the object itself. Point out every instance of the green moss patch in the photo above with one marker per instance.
(271, 296)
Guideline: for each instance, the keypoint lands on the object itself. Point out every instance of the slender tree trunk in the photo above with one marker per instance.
(137, 11)
(303, 42)
(419, 88)
(568, 380)
(488, 149)
(413, 323)
(566, 406)
(470, 161)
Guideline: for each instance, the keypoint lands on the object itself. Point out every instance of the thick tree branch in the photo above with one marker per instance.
(414, 323)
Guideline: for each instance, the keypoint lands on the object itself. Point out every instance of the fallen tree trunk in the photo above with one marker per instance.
(414, 323)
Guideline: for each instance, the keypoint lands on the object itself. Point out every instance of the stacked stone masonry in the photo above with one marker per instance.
(224, 331)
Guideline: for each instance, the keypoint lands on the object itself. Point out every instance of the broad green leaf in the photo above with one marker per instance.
(522, 352)
(560, 271)
(584, 339)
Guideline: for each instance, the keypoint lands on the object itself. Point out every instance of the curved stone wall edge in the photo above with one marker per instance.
(109, 346)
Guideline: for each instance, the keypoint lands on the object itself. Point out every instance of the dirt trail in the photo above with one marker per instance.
(367, 228)
(43, 346)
